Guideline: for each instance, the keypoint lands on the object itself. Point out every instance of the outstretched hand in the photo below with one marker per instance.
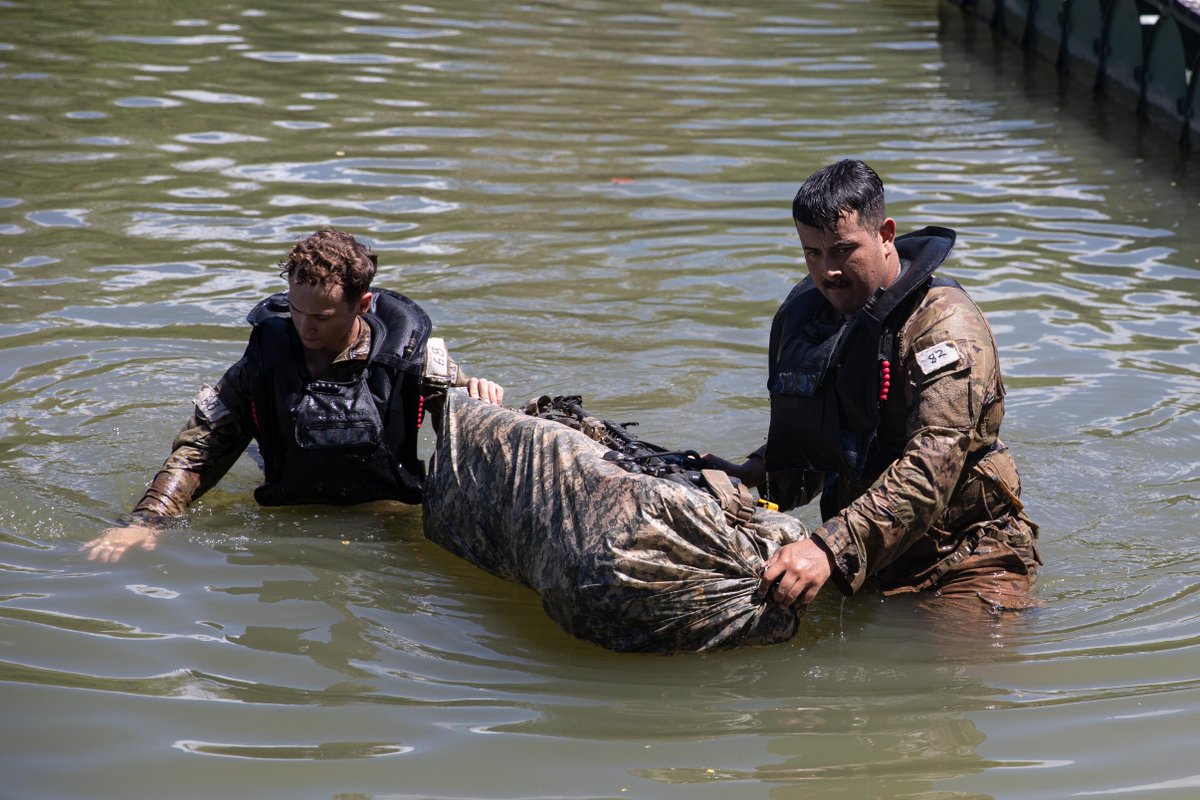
(113, 543)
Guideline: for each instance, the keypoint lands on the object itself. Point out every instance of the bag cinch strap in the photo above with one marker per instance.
(641, 457)
(735, 500)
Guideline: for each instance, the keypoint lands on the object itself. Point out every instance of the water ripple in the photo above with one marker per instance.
(588, 198)
(325, 751)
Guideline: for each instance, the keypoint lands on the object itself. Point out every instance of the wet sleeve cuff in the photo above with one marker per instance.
(144, 518)
(834, 538)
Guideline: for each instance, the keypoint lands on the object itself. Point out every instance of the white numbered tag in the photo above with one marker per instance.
(209, 404)
(437, 362)
(933, 358)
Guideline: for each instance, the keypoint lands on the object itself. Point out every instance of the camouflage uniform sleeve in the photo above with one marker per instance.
(439, 371)
(460, 377)
(216, 434)
(948, 362)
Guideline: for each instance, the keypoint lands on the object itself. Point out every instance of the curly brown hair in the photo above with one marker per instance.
(331, 258)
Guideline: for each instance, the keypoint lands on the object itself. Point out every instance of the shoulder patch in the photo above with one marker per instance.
(936, 357)
(209, 404)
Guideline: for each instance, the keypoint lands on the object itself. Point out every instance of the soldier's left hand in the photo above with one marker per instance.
(485, 390)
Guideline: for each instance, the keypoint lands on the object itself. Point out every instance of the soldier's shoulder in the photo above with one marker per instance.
(948, 295)
(947, 311)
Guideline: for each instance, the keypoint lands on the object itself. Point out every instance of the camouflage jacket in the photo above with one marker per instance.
(222, 425)
(937, 477)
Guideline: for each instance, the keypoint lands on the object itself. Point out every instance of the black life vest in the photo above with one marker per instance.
(825, 376)
(340, 442)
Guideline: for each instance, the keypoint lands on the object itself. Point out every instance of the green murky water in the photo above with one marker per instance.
(588, 197)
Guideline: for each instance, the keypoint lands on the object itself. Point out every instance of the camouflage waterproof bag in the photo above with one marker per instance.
(629, 560)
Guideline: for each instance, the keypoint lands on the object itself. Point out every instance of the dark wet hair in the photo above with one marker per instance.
(331, 258)
(831, 191)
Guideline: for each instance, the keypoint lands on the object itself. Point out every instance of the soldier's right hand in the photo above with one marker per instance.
(795, 572)
(113, 543)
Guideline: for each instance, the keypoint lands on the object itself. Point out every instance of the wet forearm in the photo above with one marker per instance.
(901, 506)
(169, 494)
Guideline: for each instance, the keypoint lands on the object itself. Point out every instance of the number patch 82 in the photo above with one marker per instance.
(937, 356)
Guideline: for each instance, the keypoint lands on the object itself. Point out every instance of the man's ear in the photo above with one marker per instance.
(364, 304)
(887, 234)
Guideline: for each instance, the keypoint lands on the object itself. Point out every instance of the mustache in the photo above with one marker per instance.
(835, 283)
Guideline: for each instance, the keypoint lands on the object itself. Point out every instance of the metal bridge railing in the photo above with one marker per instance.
(1145, 53)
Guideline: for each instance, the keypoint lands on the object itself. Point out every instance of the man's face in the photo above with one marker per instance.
(849, 263)
(324, 320)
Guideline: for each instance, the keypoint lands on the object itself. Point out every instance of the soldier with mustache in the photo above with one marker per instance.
(886, 400)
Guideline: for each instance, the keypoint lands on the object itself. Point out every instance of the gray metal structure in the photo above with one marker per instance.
(1143, 53)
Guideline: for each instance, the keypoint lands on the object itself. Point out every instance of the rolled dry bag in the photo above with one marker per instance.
(629, 561)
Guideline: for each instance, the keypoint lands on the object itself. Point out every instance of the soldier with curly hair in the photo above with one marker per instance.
(333, 385)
